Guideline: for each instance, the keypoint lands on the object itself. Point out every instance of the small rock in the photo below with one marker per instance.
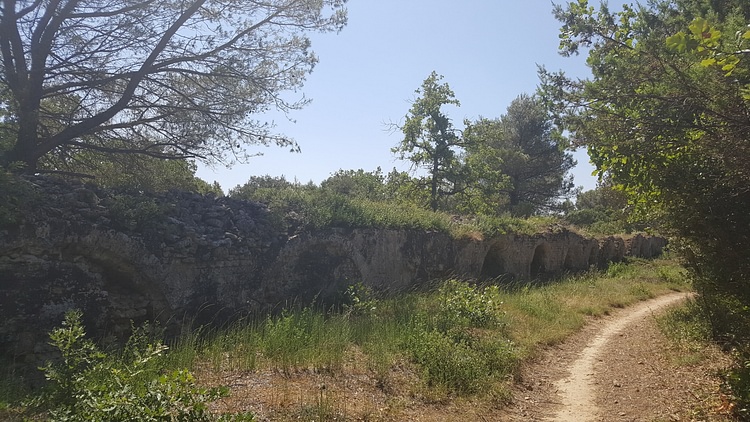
(617, 384)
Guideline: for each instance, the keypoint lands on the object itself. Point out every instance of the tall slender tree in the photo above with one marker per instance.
(430, 140)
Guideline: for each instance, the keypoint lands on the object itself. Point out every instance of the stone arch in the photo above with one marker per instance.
(593, 256)
(322, 272)
(494, 264)
(538, 264)
(568, 263)
(655, 247)
(127, 284)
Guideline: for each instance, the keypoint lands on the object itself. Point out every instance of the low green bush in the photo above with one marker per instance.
(738, 386)
(479, 307)
(447, 338)
(448, 363)
(90, 385)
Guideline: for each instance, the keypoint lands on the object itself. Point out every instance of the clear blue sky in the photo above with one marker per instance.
(487, 51)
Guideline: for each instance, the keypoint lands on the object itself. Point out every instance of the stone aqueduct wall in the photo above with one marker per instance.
(204, 256)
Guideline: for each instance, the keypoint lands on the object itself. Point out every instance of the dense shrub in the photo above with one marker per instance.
(479, 307)
(448, 342)
(90, 385)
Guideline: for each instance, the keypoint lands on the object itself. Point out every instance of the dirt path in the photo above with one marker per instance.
(578, 391)
(620, 368)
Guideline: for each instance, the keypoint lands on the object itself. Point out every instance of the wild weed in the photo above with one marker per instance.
(91, 385)
(306, 337)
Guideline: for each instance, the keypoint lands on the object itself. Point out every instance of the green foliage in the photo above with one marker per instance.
(296, 206)
(402, 188)
(130, 172)
(618, 269)
(198, 92)
(385, 215)
(479, 307)
(707, 43)
(360, 300)
(287, 336)
(603, 210)
(204, 188)
(738, 385)
(357, 184)
(688, 323)
(305, 337)
(664, 117)
(448, 363)
(519, 161)
(487, 187)
(446, 345)
(90, 385)
(430, 140)
(493, 225)
(287, 200)
(133, 212)
(308, 206)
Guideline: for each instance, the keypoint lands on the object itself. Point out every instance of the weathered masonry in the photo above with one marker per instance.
(119, 258)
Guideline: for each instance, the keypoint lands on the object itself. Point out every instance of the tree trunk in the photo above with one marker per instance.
(434, 183)
(24, 150)
(20, 154)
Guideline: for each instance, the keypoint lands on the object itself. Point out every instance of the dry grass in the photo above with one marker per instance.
(379, 381)
(448, 355)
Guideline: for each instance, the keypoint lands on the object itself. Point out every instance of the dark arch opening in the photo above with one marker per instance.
(568, 261)
(593, 257)
(323, 272)
(539, 262)
(493, 265)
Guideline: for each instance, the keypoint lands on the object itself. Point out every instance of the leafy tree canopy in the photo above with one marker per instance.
(166, 79)
(665, 116)
(357, 184)
(602, 210)
(430, 140)
(519, 160)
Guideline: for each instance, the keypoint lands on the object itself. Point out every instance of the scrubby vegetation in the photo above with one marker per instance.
(361, 199)
(461, 339)
(91, 385)
(664, 117)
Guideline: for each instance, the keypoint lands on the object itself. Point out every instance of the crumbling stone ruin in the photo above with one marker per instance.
(122, 258)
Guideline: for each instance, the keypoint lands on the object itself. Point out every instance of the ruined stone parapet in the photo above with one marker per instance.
(219, 257)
